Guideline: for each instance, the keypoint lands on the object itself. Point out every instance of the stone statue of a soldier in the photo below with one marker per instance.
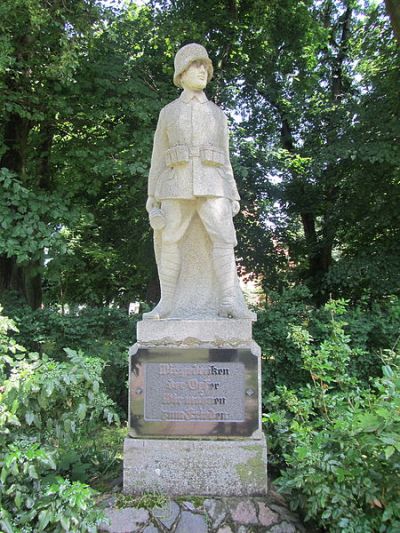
(190, 180)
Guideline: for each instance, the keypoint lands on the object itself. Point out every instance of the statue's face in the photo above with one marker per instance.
(195, 76)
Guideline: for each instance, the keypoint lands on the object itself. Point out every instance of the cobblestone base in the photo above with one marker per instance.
(213, 515)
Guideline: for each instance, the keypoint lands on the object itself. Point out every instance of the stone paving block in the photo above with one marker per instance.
(244, 512)
(167, 514)
(225, 529)
(213, 515)
(216, 511)
(266, 516)
(189, 506)
(106, 500)
(151, 529)
(191, 523)
(283, 527)
(124, 520)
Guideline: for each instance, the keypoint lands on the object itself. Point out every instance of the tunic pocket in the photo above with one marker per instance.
(177, 155)
(212, 156)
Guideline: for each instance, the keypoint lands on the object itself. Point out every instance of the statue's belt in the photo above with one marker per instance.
(182, 153)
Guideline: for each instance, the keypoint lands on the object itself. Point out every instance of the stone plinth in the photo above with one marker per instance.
(215, 332)
(179, 467)
(195, 410)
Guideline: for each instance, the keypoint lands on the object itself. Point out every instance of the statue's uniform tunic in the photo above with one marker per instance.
(190, 169)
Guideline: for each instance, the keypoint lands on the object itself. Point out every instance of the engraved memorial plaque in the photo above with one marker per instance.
(193, 392)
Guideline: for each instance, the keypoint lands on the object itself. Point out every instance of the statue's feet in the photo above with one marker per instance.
(161, 310)
(235, 311)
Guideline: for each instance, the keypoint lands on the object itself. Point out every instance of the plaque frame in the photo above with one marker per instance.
(211, 429)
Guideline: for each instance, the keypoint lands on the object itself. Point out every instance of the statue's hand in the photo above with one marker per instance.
(151, 203)
(235, 207)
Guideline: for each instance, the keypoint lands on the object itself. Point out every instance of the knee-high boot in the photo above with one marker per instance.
(168, 273)
(225, 270)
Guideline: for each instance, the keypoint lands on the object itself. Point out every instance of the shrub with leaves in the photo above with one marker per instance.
(339, 439)
(108, 332)
(29, 219)
(371, 327)
(59, 399)
(45, 408)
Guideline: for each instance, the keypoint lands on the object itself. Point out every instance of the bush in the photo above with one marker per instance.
(282, 365)
(371, 326)
(34, 499)
(338, 438)
(45, 408)
(107, 332)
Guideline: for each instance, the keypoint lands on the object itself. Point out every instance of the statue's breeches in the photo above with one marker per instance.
(215, 213)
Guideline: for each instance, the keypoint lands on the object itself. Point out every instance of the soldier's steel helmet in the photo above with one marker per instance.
(186, 55)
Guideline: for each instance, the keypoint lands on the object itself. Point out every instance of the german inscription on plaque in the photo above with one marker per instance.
(194, 392)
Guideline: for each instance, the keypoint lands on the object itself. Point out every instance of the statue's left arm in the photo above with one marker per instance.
(229, 172)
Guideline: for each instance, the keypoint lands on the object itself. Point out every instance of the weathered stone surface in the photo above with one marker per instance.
(224, 515)
(183, 468)
(189, 506)
(125, 520)
(244, 512)
(283, 527)
(168, 514)
(216, 511)
(225, 529)
(191, 332)
(191, 523)
(151, 529)
(266, 517)
(106, 500)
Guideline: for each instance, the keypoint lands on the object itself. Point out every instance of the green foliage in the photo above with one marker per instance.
(271, 331)
(339, 438)
(370, 327)
(28, 220)
(107, 332)
(45, 407)
(40, 49)
(41, 386)
(102, 155)
(34, 499)
(97, 460)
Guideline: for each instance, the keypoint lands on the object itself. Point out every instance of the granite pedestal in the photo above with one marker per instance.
(195, 410)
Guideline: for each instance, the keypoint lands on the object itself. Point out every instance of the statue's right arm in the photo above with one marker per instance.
(160, 146)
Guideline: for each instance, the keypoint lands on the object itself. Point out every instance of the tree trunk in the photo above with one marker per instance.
(23, 279)
(393, 9)
(319, 251)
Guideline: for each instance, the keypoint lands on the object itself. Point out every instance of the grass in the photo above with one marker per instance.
(147, 500)
(197, 501)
